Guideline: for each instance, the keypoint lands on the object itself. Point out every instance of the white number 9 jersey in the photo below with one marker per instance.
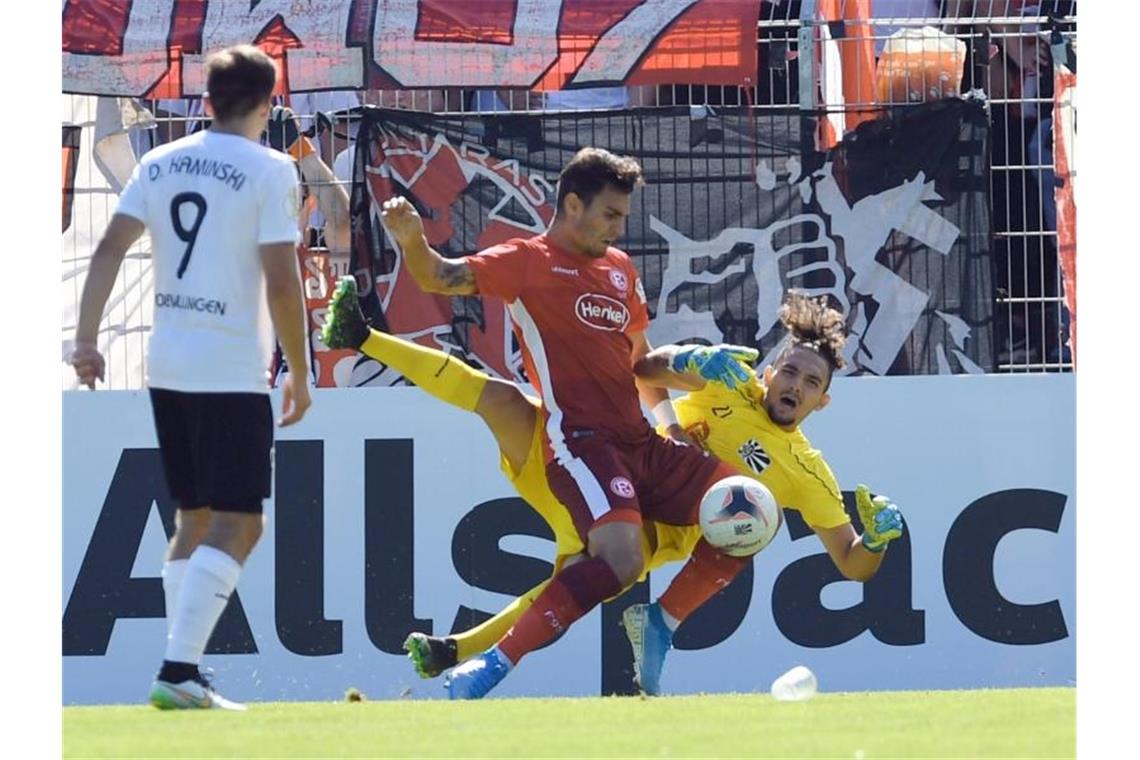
(209, 201)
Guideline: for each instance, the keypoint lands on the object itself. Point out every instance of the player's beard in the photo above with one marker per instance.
(780, 414)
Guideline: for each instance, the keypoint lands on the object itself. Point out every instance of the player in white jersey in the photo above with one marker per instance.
(222, 215)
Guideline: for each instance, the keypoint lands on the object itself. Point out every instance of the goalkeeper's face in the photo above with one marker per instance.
(796, 387)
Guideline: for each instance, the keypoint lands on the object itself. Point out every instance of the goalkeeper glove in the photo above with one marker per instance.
(284, 134)
(882, 520)
(719, 364)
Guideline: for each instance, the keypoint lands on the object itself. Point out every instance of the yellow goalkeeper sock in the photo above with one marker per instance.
(486, 635)
(442, 375)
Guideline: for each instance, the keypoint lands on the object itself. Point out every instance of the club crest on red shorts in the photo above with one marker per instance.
(622, 487)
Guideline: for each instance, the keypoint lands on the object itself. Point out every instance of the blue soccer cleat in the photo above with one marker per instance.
(651, 640)
(474, 678)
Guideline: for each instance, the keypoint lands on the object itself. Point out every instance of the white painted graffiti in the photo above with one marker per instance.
(862, 229)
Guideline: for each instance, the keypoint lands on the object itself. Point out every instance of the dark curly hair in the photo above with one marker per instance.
(812, 324)
(591, 169)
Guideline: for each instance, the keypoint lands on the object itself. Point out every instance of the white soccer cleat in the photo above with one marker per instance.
(192, 694)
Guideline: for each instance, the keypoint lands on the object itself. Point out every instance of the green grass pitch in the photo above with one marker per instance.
(984, 723)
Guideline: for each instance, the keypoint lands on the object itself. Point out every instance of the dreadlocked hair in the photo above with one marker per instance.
(812, 324)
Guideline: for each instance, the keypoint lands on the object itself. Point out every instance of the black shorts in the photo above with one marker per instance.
(216, 448)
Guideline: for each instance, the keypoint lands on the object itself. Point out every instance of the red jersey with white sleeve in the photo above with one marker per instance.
(573, 316)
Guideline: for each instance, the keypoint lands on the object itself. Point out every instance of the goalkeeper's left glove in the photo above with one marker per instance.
(882, 520)
(718, 364)
(284, 134)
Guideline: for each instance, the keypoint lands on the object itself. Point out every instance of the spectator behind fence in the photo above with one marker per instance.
(777, 81)
(1017, 71)
(919, 12)
(284, 134)
(916, 62)
(588, 99)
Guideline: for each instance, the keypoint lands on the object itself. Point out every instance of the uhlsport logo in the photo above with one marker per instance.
(601, 312)
(622, 487)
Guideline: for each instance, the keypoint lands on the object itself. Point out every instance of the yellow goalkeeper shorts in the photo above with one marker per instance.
(660, 543)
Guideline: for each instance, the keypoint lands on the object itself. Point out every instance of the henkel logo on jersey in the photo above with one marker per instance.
(601, 312)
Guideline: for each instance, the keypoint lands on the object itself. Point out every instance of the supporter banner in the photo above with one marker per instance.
(71, 142)
(156, 47)
(845, 55)
(1064, 140)
(390, 515)
(892, 224)
(320, 270)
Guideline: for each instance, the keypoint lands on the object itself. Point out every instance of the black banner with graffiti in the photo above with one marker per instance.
(892, 225)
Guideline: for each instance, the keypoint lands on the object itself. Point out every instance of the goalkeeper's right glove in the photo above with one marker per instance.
(719, 364)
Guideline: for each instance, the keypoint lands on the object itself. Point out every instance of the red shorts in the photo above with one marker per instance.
(658, 479)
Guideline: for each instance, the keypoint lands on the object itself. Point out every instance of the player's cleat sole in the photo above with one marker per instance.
(474, 678)
(650, 640)
(345, 326)
(431, 655)
(189, 695)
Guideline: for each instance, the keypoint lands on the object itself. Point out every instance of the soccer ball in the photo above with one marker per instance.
(739, 516)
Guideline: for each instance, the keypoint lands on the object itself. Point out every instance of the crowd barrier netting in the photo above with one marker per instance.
(999, 299)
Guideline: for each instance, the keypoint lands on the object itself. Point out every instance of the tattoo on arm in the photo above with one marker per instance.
(456, 276)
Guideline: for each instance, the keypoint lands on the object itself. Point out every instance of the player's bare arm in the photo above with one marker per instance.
(858, 556)
(851, 558)
(284, 134)
(332, 200)
(121, 234)
(286, 309)
(654, 396)
(433, 272)
(655, 368)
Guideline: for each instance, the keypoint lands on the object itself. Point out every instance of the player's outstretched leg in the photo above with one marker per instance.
(431, 655)
(345, 326)
(474, 678)
(192, 694)
(651, 640)
(444, 376)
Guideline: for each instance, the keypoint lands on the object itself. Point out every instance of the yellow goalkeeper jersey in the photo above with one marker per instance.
(734, 427)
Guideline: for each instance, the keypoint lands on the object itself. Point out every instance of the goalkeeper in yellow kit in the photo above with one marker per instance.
(727, 410)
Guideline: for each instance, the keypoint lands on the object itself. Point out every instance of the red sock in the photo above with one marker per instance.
(706, 572)
(573, 592)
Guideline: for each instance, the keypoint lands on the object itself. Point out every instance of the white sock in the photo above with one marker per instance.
(209, 579)
(670, 622)
(172, 574)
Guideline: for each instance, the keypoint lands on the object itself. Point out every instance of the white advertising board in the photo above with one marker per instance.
(390, 514)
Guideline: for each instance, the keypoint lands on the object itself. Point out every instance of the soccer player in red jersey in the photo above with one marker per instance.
(578, 309)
